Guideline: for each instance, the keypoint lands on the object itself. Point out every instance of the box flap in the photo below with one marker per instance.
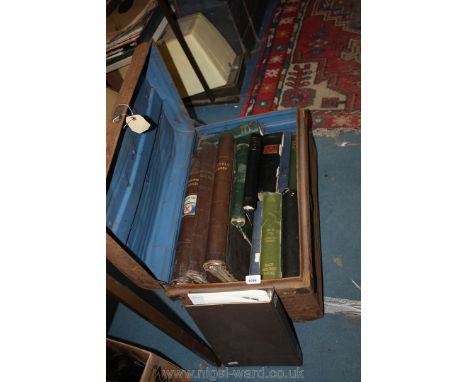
(145, 195)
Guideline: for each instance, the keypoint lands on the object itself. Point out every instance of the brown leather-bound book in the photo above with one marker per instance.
(215, 261)
(202, 217)
(186, 234)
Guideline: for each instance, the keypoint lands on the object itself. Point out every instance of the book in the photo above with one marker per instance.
(243, 333)
(126, 43)
(215, 261)
(127, 32)
(251, 175)
(207, 155)
(237, 212)
(110, 54)
(237, 132)
(270, 252)
(115, 61)
(256, 241)
(292, 183)
(289, 234)
(238, 254)
(179, 274)
(119, 63)
(283, 178)
(269, 164)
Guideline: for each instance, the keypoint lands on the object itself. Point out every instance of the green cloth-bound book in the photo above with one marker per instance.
(237, 212)
(292, 183)
(270, 253)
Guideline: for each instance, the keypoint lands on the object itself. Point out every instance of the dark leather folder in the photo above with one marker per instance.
(255, 334)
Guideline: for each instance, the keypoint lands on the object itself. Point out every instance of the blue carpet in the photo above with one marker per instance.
(340, 220)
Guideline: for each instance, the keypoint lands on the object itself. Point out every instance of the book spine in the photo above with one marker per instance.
(220, 205)
(270, 253)
(179, 274)
(246, 129)
(207, 156)
(120, 48)
(292, 183)
(238, 254)
(284, 163)
(256, 241)
(237, 212)
(117, 58)
(251, 175)
(289, 234)
(269, 164)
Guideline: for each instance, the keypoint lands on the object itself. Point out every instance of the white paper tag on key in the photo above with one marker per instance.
(137, 123)
(253, 279)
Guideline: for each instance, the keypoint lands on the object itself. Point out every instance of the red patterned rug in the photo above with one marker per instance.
(311, 59)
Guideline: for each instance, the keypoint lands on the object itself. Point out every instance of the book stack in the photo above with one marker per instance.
(244, 220)
(127, 25)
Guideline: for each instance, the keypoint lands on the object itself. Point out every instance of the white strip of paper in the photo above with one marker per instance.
(234, 297)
